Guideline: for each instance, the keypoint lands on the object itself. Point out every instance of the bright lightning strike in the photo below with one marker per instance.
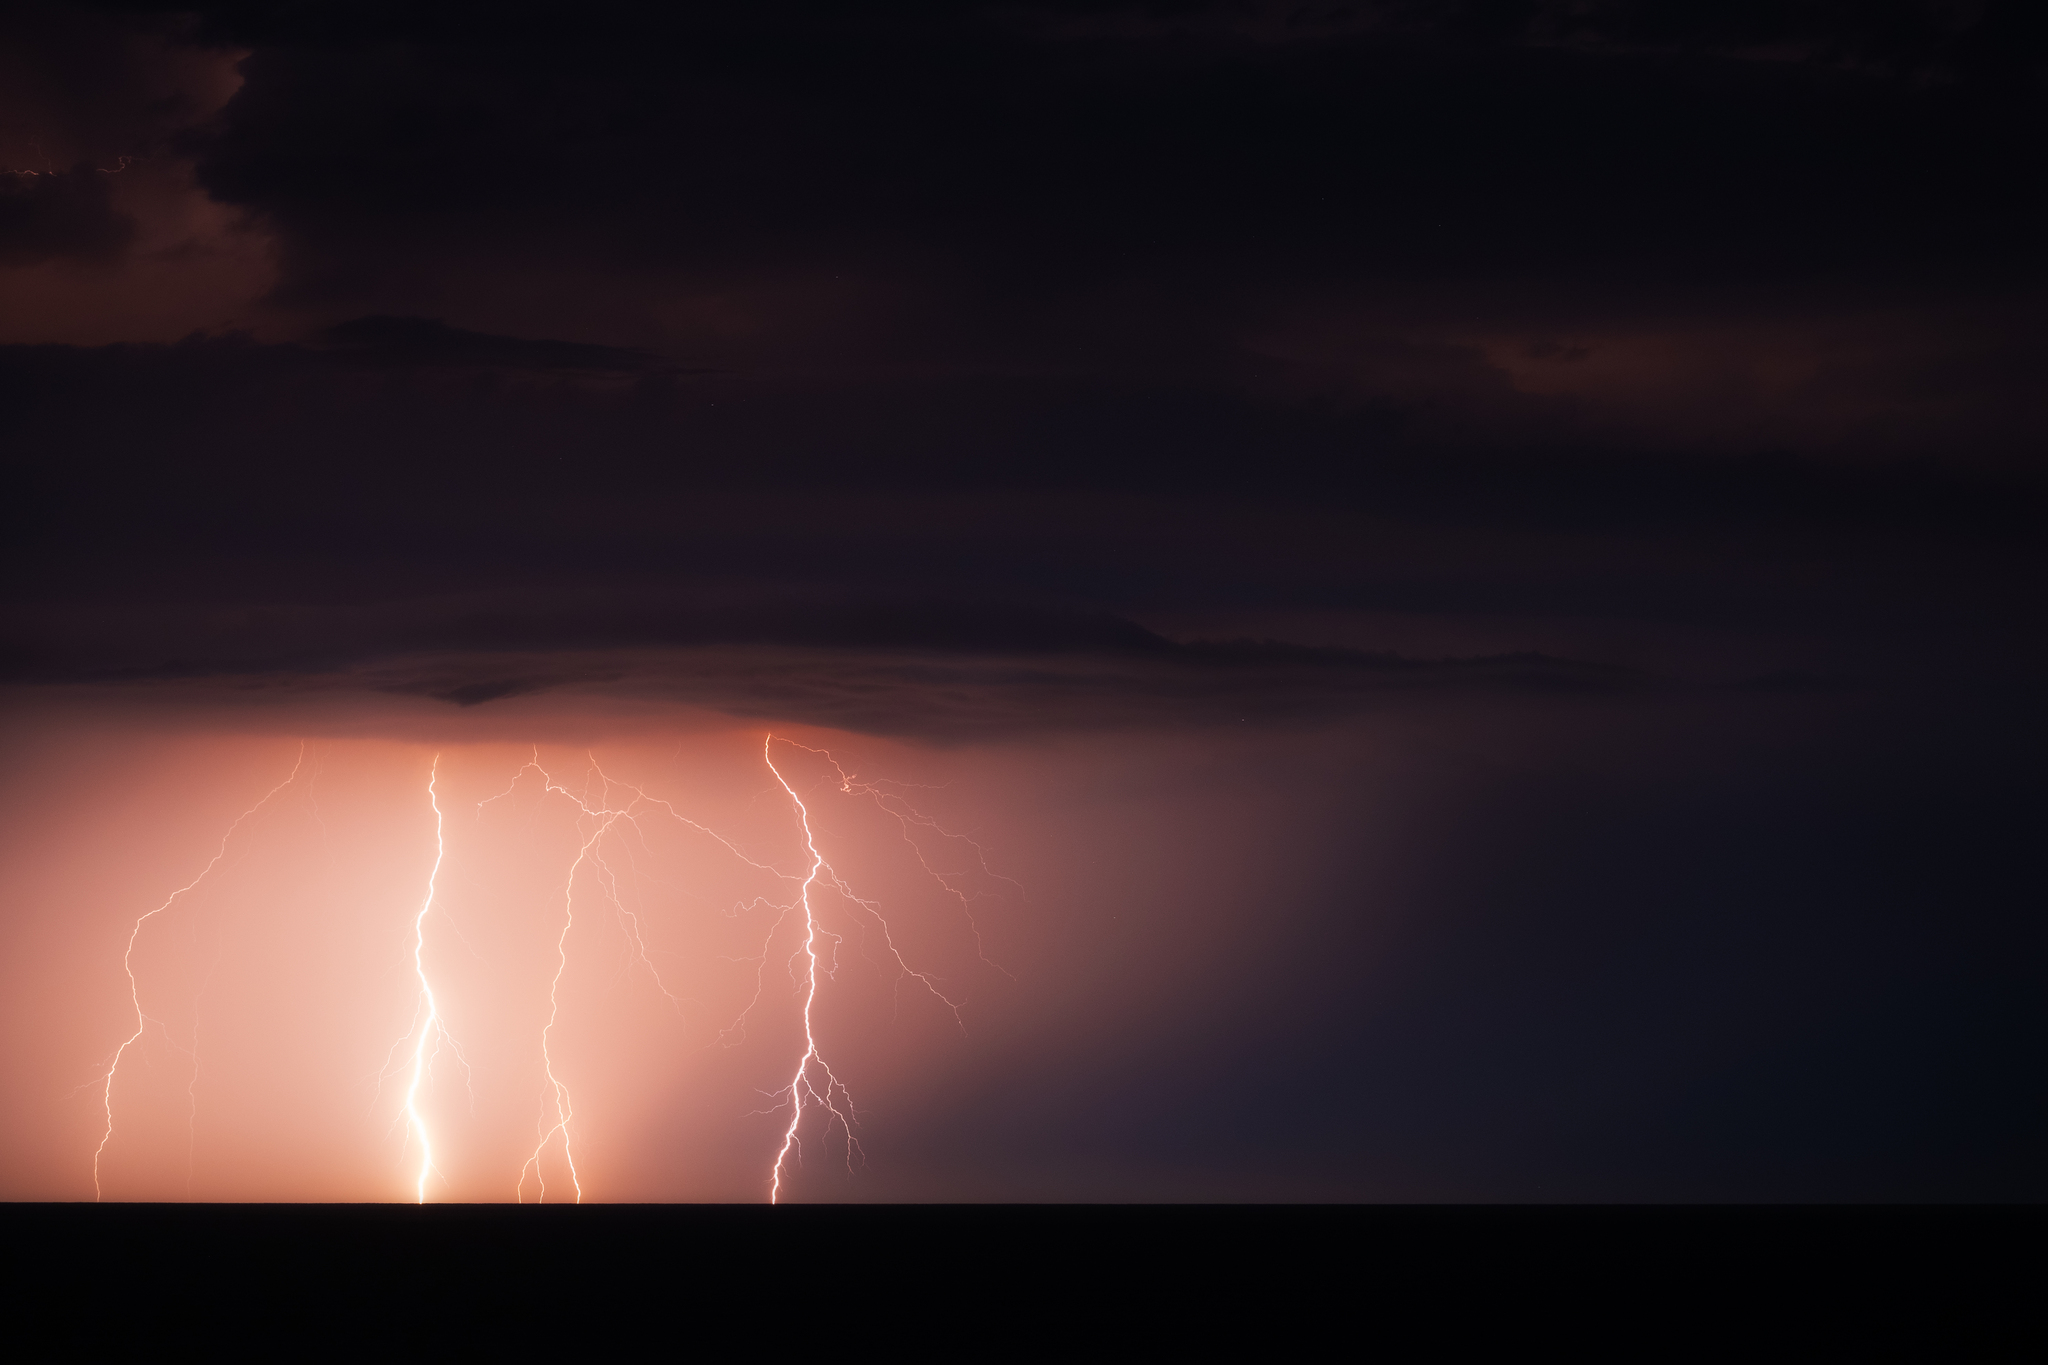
(430, 1028)
(802, 1084)
(606, 810)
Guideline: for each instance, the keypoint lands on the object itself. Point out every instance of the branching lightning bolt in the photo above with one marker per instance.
(811, 1068)
(801, 1083)
(431, 1027)
(142, 1020)
(559, 1092)
(907, 815)
(600, 814)
(605, 817)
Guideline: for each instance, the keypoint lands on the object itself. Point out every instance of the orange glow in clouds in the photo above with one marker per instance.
(594, 948)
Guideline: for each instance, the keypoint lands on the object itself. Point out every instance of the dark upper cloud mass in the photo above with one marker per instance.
(1011, 156)
(60, 214)
(398, 488)
(1635, 409)
(1693, 346)
(428, 343)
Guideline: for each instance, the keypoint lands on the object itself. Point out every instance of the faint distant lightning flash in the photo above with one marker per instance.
(558, 1091)
(142, 1020)
(591, 851)
(431, 1027)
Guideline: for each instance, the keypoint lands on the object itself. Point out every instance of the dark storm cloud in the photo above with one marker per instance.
(65, 214)
(429, 343)
(499, 527)
(947, 671)
(801, 322)
(89, 104)
(1029, 151)
(220, 448)
(1803, 227)
(95, 85)
(309, 638)
(1914, 38)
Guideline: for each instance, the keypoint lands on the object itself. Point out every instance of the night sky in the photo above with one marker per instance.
(1480, 563)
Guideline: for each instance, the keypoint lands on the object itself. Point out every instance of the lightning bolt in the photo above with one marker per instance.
(813, 1080)
(142, 1019)
(907, 816)
(595, 823)
(801, 1083)
(811, 1068)
(564, 1108)
(604, 809)
(431, 1027)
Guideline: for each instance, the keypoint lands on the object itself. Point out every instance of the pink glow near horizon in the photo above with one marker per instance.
(611, 819)
(142, 1020)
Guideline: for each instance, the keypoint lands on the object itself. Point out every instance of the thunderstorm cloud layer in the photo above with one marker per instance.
(1490, 552)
